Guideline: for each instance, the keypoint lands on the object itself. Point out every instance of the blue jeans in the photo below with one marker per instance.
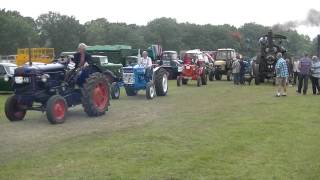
(236, 78)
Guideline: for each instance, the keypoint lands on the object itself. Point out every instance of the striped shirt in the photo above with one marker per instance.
(315, 69)
(305, 66)
(282, 68)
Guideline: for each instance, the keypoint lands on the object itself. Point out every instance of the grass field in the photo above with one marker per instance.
(215, 132)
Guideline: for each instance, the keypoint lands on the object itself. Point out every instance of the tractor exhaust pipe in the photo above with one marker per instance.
(318, 46)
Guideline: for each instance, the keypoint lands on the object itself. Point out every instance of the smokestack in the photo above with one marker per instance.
(318, 46)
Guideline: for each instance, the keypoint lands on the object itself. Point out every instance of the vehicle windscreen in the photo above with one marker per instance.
(223, 55)
(170, 56)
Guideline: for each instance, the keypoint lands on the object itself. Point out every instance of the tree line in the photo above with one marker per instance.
(64, 33)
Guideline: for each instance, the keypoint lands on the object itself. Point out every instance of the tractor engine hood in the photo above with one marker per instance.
(38, 69)
(220, 63)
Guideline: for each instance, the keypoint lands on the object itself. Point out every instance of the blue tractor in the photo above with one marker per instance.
(53, 88)
(136, 77)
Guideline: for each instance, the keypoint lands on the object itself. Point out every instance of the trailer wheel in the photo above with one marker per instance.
(12, 109)
(56, 109)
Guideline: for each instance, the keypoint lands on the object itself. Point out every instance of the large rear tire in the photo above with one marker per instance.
(161, 82)
(12, 109)
(115, 91)
(95, 95)
(150, 91)
(56, 109)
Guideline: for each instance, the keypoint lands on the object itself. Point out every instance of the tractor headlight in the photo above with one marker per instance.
(6, 78)
(44, 78)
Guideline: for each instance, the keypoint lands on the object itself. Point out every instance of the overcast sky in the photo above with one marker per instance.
(197, 11)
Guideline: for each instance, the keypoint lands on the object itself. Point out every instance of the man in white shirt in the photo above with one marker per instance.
(295, 70)
(146, 62)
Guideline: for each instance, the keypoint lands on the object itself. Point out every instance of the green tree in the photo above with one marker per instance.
(60, 31)
(16, 32)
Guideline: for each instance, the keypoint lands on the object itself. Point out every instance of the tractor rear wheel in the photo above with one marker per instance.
(12, 109)
(199, 81)
(56, 109)
(161, 82)
(95, 95)
(115, 91)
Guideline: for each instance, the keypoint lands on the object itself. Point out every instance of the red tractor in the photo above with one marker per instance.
(194, 68)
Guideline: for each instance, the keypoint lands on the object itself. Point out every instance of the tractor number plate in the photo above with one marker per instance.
(187, 67)
(21, 80)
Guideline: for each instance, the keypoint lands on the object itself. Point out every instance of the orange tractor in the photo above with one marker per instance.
(194, 68)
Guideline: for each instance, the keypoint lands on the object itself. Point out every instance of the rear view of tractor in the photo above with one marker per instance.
(264, 65)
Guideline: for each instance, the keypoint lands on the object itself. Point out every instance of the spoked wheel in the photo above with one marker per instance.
(13, 110)
(115, 91)
(57, 108)
(150, 91)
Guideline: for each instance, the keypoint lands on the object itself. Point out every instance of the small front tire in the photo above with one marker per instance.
(56, 109)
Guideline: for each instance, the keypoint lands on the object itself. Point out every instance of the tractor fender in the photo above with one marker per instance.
(110, 74)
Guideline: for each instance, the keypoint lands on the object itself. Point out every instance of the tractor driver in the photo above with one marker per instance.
(146, 62)
(82, 60)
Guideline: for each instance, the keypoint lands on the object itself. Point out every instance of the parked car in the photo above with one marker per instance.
(6, 74)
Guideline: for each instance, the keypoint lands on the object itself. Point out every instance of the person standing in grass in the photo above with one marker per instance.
(315, 75)
(296, 71)
(236, 70)
(305, 68)
(281, 75)
(242, 71)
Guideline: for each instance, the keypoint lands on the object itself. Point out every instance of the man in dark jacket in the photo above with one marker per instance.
(305, 69)
(82, 60)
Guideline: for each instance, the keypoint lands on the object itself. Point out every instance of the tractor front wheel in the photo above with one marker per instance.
(211, 76)
(199, 81)
(12, 109)
(115, 91)
(150, 90)
(179, 81)
(56, 109)
(204, 79)
(95, 95)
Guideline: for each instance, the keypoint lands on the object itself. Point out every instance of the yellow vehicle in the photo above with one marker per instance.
(42, 55)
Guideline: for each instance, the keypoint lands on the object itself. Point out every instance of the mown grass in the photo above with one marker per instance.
(214, 132)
